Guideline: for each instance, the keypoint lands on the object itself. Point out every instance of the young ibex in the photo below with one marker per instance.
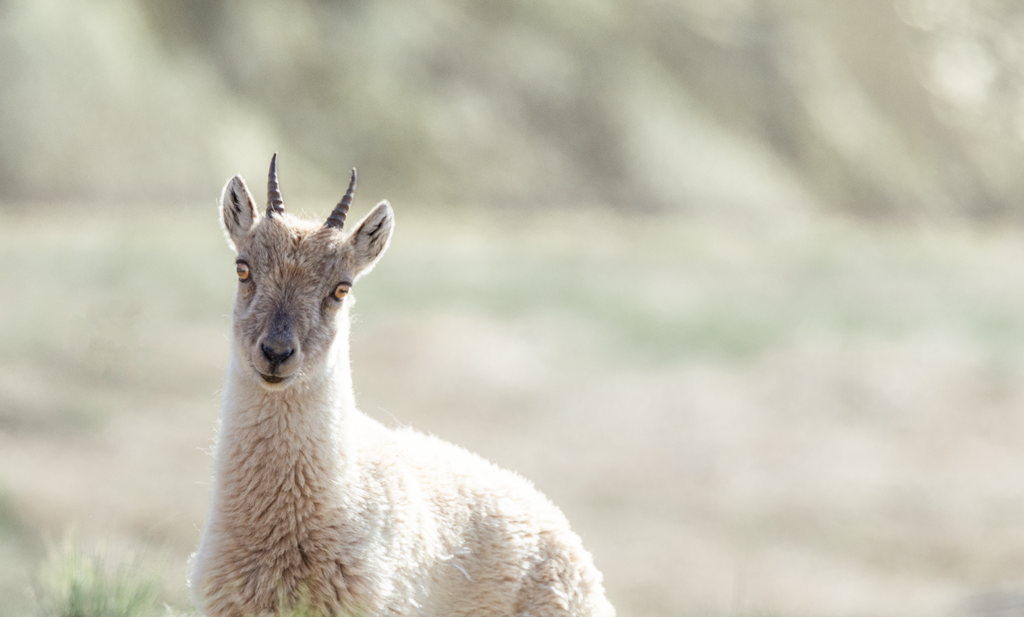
(317, 507)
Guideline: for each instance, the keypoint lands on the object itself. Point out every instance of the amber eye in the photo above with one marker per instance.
(341, 291)
(242, 269)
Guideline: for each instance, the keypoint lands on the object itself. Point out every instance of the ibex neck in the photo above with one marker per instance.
(276, 446)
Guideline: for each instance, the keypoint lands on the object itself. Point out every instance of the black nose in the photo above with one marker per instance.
(276, 351)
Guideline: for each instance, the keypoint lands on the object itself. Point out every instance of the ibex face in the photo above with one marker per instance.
(293, 278)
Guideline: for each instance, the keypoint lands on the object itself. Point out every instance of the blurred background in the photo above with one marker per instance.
(739, 284)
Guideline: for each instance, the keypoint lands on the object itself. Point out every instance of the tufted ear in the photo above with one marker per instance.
(371, 237)
(238, 212)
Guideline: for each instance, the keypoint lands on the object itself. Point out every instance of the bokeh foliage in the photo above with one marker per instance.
(909, 108)
(768, 413)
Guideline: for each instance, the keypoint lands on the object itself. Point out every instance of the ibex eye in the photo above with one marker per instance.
(341, 291)
(242, 269)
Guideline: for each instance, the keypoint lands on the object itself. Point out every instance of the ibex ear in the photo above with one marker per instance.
(371, 237)
(237, 211)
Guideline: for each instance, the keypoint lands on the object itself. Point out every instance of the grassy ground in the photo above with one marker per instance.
(740, 418)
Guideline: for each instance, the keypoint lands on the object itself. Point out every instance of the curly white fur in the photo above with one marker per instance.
(315, 505)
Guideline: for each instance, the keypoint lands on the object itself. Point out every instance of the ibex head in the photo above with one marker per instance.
(293, 277)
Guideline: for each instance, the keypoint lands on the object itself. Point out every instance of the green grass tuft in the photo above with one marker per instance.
(75, 582)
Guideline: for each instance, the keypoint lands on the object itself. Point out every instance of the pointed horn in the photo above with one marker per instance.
(337, 217)
(274, 201)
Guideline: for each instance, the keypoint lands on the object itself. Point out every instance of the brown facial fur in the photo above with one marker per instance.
(288, 299)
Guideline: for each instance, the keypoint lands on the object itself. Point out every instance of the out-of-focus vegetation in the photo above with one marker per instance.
(738, 417)
(876, 107)
(743, 302)
(80, 582)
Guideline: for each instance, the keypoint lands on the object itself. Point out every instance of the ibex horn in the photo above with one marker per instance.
(337, 217)
(274, 201)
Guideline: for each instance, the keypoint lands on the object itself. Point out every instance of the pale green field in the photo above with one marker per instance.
(739, 417)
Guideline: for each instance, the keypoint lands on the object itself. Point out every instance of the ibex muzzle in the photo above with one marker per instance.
(278, 346)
